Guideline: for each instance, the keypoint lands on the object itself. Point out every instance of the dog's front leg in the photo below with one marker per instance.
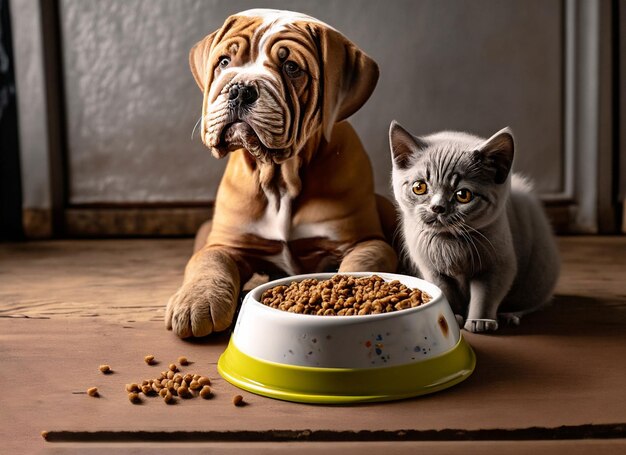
(207, 299)
(370, 256)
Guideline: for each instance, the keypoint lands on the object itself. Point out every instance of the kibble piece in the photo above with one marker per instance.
(183, 361)
(133, 397)
(170, 374)
(173, 367)
(132, 387)
(163, 392)
(44, 434)
(93, 392)
(146, 389)
(195, 385)
(204, 381)
(206, 392)
(188, 378)
(168, 398)
(149, 359)
(183, 392)
(106, 369)
(238, 400)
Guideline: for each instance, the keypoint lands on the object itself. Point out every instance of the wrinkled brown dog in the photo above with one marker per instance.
(297, 195)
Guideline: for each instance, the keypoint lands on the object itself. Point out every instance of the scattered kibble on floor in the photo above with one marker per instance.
(170, 384)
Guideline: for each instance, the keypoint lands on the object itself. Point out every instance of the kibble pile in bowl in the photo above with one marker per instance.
(344, 295)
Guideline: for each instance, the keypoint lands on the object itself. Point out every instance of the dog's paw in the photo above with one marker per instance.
(198, 309)
(481, 325)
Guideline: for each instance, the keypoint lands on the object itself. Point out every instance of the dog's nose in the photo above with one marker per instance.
(242, 95)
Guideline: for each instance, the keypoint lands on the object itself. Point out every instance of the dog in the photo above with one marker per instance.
(297, 194)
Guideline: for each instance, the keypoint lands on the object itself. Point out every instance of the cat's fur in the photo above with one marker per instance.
(493, 256)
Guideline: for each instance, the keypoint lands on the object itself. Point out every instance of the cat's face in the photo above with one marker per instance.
(449, 181)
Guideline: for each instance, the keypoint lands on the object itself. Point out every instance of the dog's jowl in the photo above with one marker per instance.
(297, 195)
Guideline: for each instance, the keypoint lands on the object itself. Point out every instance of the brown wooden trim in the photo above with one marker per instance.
(166, 221)
(135, 222)
(37, 223)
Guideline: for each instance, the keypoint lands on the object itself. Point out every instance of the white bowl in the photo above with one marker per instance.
(269, 346)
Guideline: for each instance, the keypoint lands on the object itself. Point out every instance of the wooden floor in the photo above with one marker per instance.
(555, 384)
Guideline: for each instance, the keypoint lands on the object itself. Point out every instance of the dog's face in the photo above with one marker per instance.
(271, 79)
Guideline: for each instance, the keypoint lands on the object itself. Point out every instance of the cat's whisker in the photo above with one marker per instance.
(482, 235)
(461, 226)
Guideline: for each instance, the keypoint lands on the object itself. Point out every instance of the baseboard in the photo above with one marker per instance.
(37, 223)
(135, 222)
(175, 221)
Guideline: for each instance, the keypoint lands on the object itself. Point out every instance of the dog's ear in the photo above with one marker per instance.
(349, 77)
(199, 59)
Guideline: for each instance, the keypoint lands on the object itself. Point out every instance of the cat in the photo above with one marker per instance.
(471, 226)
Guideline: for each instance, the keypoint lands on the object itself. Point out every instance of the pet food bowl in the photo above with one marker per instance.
(346, 359)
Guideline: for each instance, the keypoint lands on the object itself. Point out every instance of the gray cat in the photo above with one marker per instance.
(471, 226)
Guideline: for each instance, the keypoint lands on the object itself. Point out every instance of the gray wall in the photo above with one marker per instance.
(466, 65)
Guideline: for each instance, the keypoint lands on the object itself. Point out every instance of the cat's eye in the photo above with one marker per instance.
(419, 187)
(463, 196)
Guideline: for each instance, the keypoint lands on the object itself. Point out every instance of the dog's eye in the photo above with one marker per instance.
(292, 69)
(224, 61)
(464, 196)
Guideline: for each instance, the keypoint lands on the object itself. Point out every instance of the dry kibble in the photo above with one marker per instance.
(195, 385)
(170, 374)
(183, 392)
(149, 359)
(168, 398)
(133, 397)
(146, 389)
(106, 369)
(196, 377)
(343, 295)
(206, 392)
(183, 361)
(163, 392)
(204, 381)
(44, 434)
(132, 387)
(173, 367)
(93, 392)
(238, 400)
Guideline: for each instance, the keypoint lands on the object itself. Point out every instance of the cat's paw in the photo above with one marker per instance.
(481, 325)
(510, 319)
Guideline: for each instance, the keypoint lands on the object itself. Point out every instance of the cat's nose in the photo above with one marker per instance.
(438, 209)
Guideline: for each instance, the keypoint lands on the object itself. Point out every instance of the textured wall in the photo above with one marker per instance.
(467, 65)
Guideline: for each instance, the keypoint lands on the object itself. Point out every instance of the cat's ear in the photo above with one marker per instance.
(497, 152)
(403, 145)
